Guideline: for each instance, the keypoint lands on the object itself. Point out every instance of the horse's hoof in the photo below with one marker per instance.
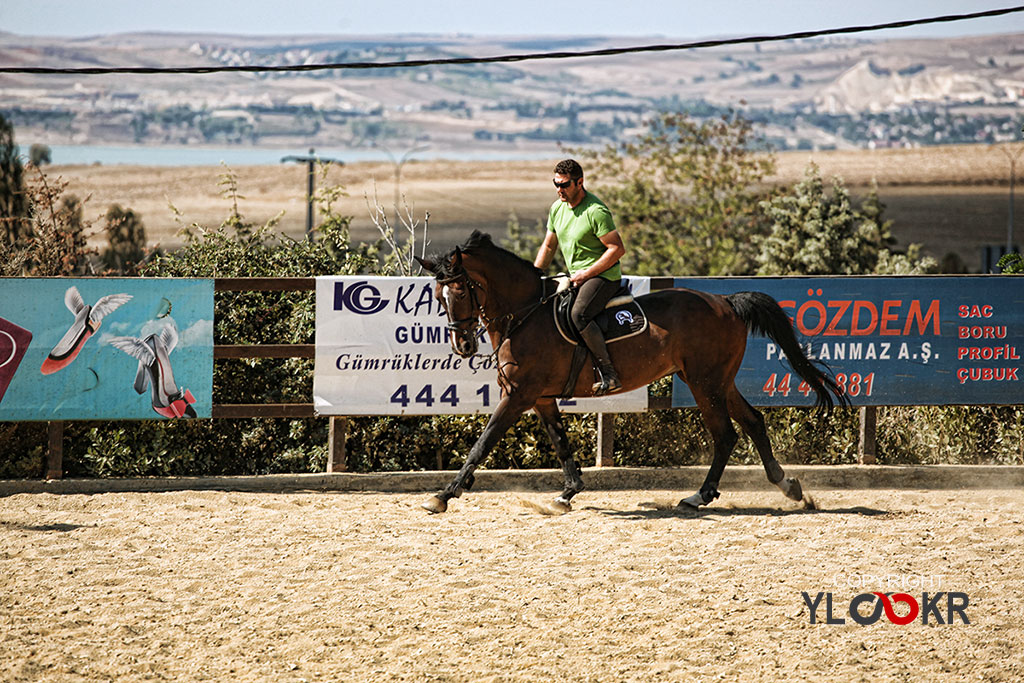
(435, 505)
(693, 502)
(561, 505)
(791, 487)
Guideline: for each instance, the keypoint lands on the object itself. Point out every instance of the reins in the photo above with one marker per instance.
(512, 321)
(509, 319)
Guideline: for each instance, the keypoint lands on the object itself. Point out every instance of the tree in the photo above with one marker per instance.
(684, 194)
(72, 225)
(127, 237)
(13, 202)
(38, 155)
(526, 241)
(815, 232)
(55, 245)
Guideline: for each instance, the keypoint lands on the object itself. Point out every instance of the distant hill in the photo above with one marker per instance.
(840, 93)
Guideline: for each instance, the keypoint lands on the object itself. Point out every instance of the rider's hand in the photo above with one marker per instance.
(578, 279)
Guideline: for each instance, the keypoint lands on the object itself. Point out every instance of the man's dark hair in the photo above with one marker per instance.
(570, 168)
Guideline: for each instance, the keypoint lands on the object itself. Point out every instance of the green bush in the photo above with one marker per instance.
(907, 435)
(442, 442)
(24, 446)
(194, 447)
(967, 435)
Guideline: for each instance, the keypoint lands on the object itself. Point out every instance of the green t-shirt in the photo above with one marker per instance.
(579, 231)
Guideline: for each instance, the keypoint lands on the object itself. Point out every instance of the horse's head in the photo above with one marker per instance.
(462, 297)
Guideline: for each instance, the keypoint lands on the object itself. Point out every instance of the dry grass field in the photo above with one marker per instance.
(949, 199)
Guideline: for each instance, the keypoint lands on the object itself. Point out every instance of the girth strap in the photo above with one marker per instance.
(579, 357)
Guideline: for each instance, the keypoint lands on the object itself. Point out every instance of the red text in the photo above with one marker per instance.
(862, 318)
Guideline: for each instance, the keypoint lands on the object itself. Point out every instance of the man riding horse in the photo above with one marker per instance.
(582, 226)
(699, 337)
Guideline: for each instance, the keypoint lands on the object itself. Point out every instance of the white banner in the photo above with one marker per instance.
(382, 349)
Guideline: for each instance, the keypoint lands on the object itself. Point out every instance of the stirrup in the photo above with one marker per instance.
(609, 382)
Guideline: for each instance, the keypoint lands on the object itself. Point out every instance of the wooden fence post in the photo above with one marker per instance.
(867, 451)
(336, 435)
(55, 450)
(605, 440)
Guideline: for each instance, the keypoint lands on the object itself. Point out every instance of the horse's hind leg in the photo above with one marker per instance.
(716, 418)
(551, 418)
(751, 421)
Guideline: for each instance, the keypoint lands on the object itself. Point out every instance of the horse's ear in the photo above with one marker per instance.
(456, 258)
(426, 263)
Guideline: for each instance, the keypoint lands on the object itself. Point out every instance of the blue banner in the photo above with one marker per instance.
(105, 348)
(910, 340)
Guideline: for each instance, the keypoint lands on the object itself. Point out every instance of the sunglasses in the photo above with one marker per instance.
(562, 186)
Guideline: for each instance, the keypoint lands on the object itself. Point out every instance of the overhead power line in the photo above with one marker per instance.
(530, 56)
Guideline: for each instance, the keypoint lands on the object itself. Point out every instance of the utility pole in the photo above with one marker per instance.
(399, 162)
(311, 160)
(1012, 155)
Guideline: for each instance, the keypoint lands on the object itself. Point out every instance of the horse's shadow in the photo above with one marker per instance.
(650, 511)
(57, 526)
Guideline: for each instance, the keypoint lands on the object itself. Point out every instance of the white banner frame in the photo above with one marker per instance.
(382, 349)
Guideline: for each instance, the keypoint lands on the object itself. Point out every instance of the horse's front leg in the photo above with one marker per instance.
(551, 418)
(508, 411)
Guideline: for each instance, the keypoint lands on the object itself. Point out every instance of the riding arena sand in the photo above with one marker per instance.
(337, 586)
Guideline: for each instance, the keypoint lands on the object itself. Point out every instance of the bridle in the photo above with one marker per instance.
(511, 320)
(477, 314)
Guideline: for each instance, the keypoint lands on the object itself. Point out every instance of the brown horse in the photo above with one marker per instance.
(700, 337)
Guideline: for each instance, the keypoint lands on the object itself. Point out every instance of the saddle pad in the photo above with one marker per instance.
(618, 321)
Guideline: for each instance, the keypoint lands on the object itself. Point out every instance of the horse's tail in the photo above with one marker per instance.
(763, 316)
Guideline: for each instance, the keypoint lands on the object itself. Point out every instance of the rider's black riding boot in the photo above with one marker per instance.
(594, 339)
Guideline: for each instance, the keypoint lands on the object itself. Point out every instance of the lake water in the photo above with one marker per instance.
(246, 156)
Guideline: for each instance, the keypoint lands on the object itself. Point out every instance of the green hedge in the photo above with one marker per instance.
(906, 435)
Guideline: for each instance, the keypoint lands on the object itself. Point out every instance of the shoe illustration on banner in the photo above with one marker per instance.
(14, 341)
(153, 354)
(87, 321)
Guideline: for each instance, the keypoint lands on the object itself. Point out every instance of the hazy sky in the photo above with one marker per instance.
(668, 18)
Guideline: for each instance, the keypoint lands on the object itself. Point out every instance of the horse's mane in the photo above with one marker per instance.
(480, 243)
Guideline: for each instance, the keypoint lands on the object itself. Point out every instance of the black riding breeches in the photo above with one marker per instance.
(594, 294)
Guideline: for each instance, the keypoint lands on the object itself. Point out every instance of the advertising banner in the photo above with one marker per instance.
(911, 340)
(105, 348)
(382, 349)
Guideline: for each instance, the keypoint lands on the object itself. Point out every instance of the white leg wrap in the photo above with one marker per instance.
(696, 500)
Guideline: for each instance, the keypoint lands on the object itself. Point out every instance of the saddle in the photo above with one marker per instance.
(621, 318)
